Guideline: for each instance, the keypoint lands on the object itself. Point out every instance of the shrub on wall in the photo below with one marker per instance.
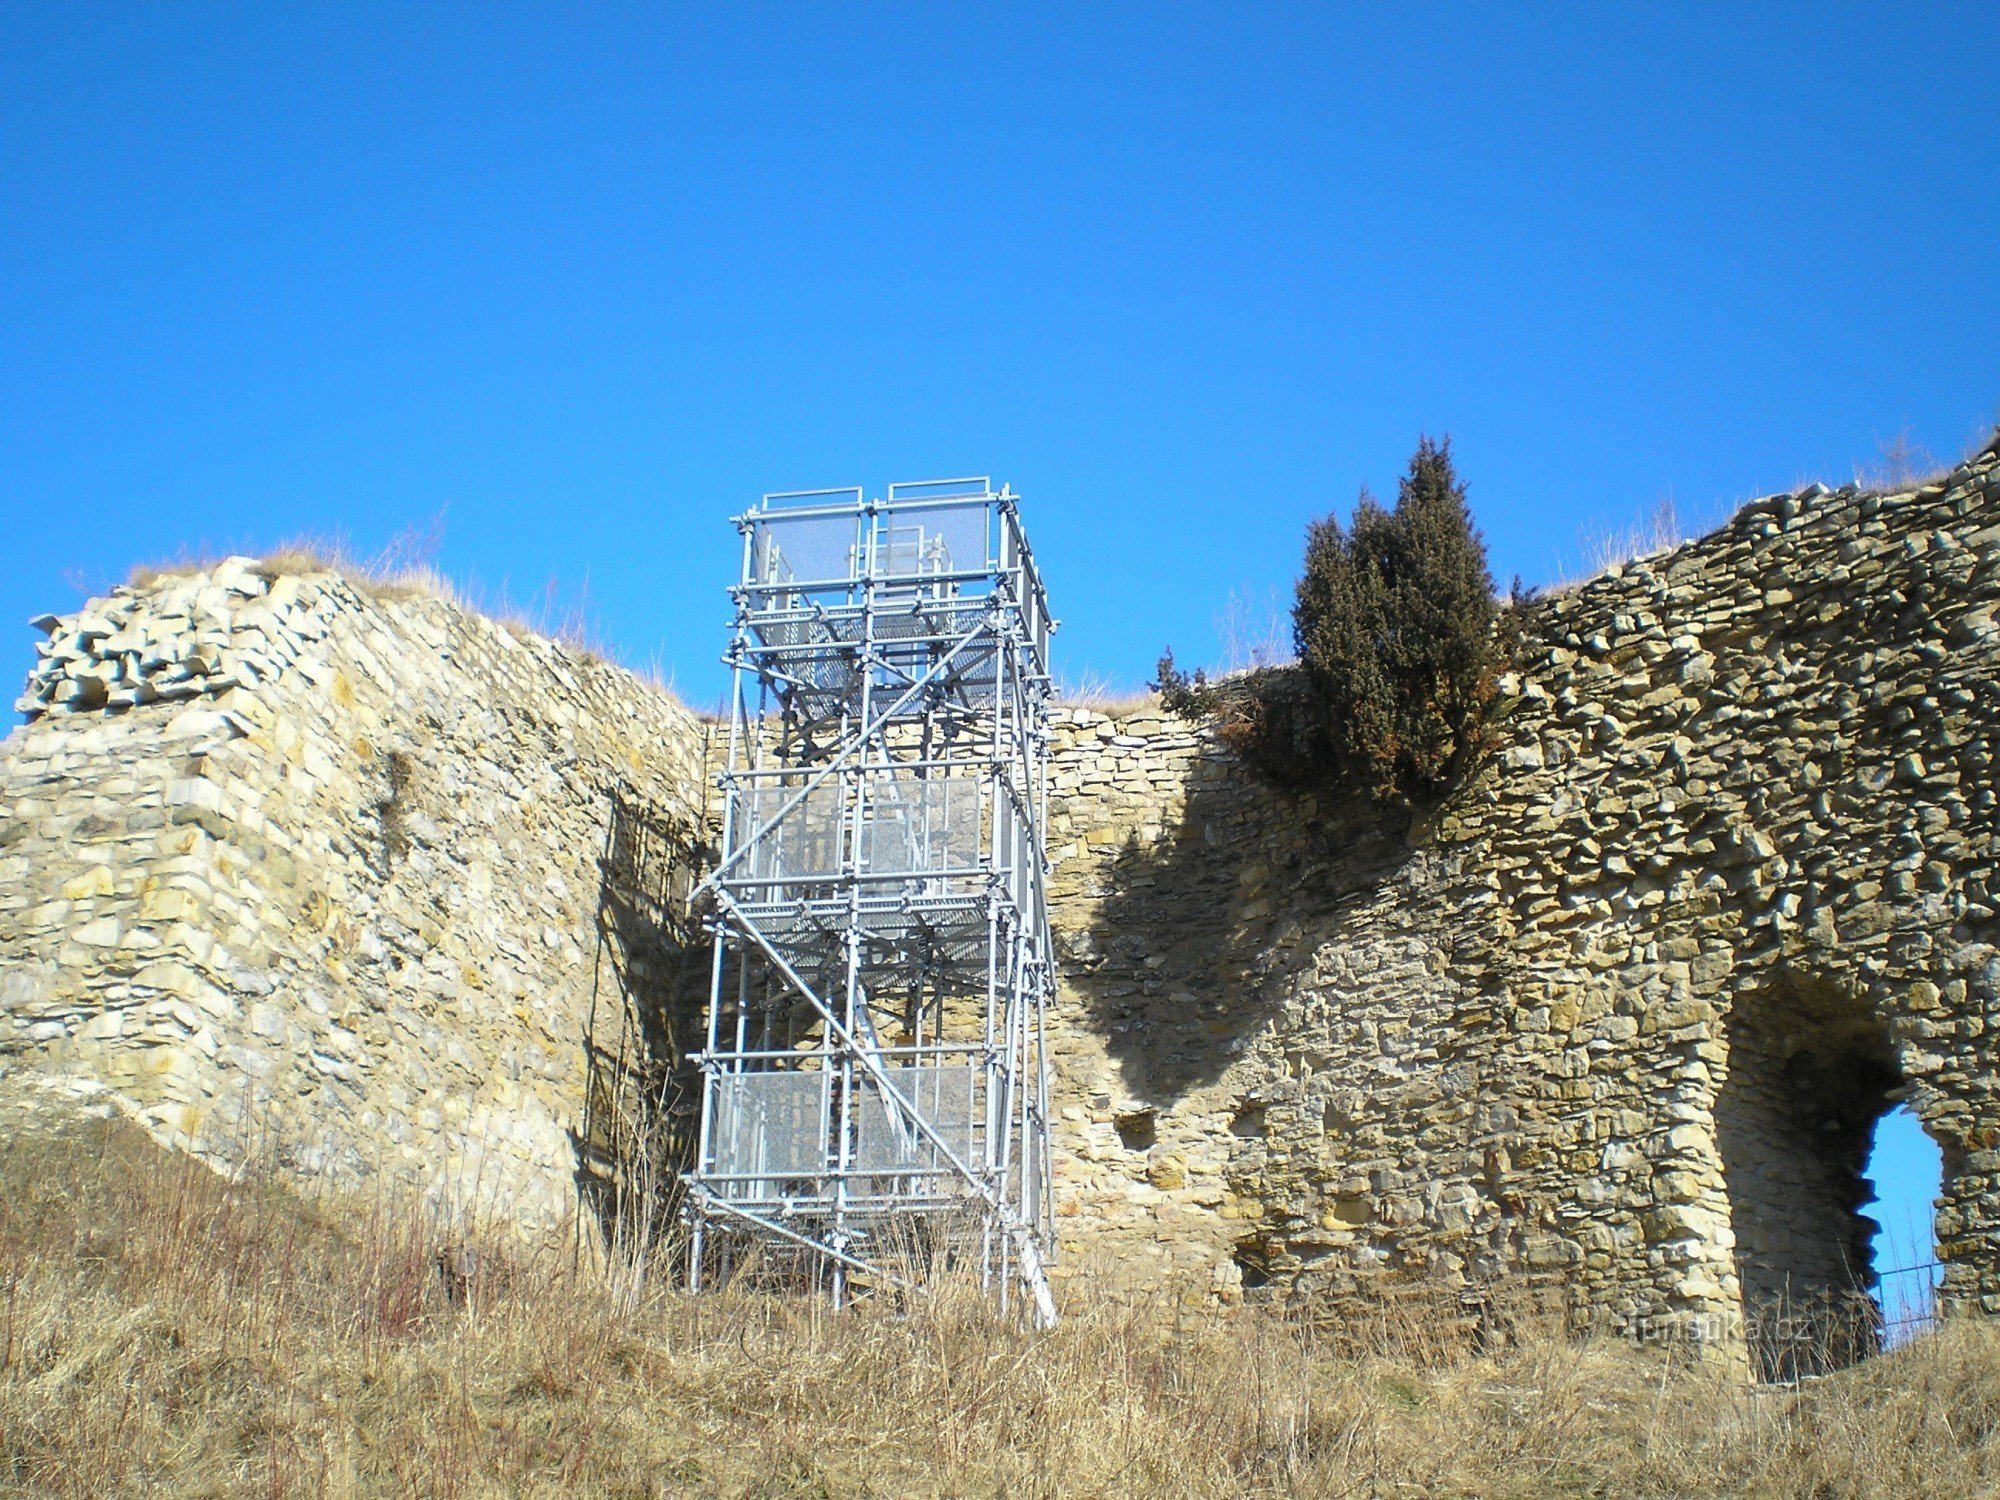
(1399, 640)
(1181, 695)
(1395, 631)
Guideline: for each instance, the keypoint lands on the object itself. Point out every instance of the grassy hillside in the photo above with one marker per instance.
(167, 1334)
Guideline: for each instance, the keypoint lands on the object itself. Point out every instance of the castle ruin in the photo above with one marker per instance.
(378, 891)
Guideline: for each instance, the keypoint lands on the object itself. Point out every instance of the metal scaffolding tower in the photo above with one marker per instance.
(875, 1077)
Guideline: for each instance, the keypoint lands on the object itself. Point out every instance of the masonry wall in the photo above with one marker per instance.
(1617, 1019)
(381, 888)
(339, 880)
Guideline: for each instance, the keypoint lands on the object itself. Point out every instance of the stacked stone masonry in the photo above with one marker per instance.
(1616, 1020)
(308, 875)
(282, 861)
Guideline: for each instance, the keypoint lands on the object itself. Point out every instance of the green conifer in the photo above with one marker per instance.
(1394, 628)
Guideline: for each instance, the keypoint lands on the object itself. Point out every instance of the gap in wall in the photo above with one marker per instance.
(1906, 1168)
(1810, 1071)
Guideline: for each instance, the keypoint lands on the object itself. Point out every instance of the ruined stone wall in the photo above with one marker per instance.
(1619, 1017)
(300, 871)
(1256, 1010)
(384, 887)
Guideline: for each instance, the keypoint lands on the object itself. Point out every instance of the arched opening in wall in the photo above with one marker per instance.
(1810, 1072)
(1906, 1168)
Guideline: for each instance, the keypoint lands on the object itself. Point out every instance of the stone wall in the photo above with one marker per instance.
(382, 888)
(1617, 1019)
(1253, 1001)
(308, 871)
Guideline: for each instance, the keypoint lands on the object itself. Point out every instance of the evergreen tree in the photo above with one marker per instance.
(1394, 628)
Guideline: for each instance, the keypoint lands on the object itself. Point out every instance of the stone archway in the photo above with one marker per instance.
(1811, 1069)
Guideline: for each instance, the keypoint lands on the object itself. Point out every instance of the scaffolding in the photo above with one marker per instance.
(875, 1074)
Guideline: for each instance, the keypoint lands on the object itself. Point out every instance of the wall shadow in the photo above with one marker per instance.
(648, 993)
(1195, 938)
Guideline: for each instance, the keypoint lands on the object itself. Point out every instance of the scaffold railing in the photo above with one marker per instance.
(875, 1073)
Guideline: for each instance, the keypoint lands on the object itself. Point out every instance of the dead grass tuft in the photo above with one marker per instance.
(171, 1334)
(1255, 630)
(1093, 690)
(1904, 465)
(1658, 530)
(406, 568)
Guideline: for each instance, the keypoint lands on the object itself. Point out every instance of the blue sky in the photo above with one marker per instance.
(584, 280)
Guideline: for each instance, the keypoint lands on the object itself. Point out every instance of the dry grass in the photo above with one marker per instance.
(1904, 465)
(1255, 630)
(1093, 690)
(406, 568)
(1658, 530)
(168, 1334)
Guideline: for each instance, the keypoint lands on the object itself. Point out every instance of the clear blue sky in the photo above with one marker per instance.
(586, 279)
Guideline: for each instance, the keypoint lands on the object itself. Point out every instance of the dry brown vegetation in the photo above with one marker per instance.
(1660, 529)
(1905, 464)
(406, 568)
(1093, 690)
(1902, 467)
(167, 1333)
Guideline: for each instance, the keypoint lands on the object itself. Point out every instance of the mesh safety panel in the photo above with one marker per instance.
(951, 1096)
(805, 550)
(804, 844)
(914, 825)
(770, 1127)
(920, 540)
